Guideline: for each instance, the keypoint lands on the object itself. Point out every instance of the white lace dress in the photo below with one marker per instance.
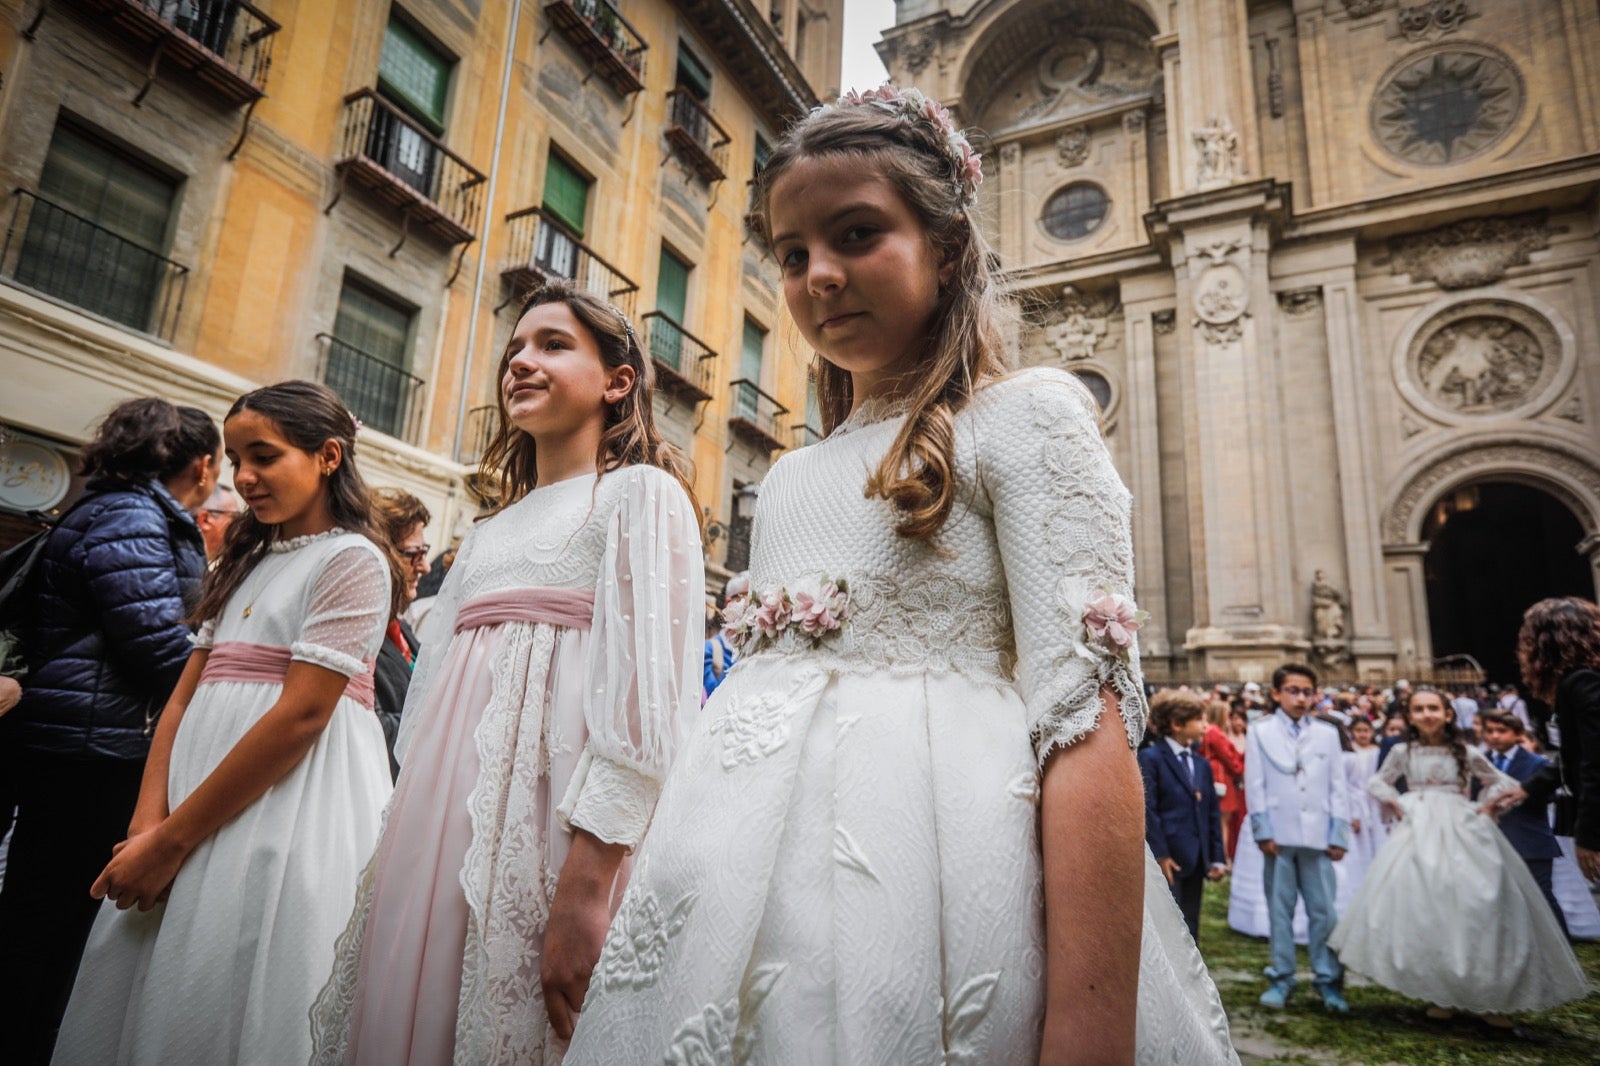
(226, 969)
(1448, 913)
(557, 661)
(844, 865)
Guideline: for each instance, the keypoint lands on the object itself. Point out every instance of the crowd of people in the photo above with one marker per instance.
(891, 812)
(1431, 840)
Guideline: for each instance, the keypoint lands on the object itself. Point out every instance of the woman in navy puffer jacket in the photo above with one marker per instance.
(105, 644)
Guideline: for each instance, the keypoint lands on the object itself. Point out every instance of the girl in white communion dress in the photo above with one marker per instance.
(1448, 912)
(908, 827)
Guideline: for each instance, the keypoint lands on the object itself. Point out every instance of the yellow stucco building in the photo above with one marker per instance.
(208, 195)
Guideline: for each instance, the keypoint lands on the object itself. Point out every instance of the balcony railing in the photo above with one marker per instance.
(805, 435)
(224, 44)
(542, 249)
(385, 397)
(697, 137)
(62, 254)
(597, 30)
(394, 157)
(482, 423)
(755, 415)
(684, 362)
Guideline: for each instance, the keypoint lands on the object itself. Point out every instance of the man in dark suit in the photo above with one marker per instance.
(1527, 825)
(1182, 818)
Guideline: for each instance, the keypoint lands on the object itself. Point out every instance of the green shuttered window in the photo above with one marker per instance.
(414, 74)
(566, 193)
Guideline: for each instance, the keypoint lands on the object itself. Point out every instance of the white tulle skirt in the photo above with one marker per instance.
(1449, 914)
(1572, 892)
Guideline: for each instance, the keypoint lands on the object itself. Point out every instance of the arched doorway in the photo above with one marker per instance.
(1494, 548)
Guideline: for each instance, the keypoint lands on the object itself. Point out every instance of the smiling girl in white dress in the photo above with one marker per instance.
(562, 651)
(267, 775)
(938, 668)
(1448, 912)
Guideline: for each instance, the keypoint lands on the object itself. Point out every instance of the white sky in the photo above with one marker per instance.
(864, 23)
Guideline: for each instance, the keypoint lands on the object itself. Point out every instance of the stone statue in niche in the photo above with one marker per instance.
(1484, 363)
(1216, 153)
(1330, 632)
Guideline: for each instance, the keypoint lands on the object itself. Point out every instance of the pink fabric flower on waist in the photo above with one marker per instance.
(818, 606)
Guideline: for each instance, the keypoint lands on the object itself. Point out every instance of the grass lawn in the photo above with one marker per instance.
(1384, 1027)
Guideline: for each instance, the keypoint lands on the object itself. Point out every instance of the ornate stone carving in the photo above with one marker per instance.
(1275, 103)
(1433, 19)
(1485, 363)
(1410, 427)
(1443, 107)
(1085, 68)
(1477, 251)
(1225, 333)
(1162, 323)
(1572, 410)
(1301, 303)
(1216, 153)
(1219, 250)
(1555, 466)
(1362, 8)
(1222, 294)
(1072, 146)
(1330, 639)
(917, 49)
(1010, 154)
(1133, 121)
(1078, 322)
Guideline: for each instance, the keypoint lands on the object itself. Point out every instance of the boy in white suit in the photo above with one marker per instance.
(1295, 789)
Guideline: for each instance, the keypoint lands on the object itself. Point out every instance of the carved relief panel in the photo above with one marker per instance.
(1484, 358)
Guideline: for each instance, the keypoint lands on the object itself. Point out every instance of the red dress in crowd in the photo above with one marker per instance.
(1227, 766)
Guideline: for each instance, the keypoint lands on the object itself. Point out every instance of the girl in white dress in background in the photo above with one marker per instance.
(1448, 912)
(1367, 828)
(938, 669)
(267, 774)
(562, 651)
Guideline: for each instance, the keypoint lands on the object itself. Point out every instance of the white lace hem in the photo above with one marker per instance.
(1075, 713)
(612, 801)
(328, 658)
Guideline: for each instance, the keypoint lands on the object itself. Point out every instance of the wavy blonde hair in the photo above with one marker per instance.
(507, 471)
(966, 336)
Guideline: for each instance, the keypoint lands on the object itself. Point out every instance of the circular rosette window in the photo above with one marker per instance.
(1485, 358)
(1446, 106)
(1075, 211)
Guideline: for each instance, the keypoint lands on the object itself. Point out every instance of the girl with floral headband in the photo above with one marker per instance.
(908, 827)
(557, 661)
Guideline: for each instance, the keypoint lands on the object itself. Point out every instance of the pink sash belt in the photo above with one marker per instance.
(239, 660)
(572, 608)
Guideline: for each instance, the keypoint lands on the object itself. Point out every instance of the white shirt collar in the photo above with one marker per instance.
(1177, 749)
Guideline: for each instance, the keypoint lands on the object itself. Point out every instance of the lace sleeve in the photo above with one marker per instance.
(1494, 783)
(1063, 523)
(347, 613)
(1381, 785)
(434, 634)
(644, 656)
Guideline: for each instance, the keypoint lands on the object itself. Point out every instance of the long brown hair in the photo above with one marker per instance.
(965, 341)
(308, 415)
(1558, 635)
(508, 472)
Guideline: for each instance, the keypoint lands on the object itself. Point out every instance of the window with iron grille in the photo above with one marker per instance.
(369, 359)
(752, 352)
(97, 232)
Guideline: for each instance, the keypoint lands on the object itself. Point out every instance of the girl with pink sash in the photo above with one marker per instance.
(561, 652)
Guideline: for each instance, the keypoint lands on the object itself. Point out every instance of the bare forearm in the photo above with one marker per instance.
(1092, 812)
(152, 805)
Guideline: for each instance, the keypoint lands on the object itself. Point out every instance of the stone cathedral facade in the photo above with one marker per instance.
(1331, 267)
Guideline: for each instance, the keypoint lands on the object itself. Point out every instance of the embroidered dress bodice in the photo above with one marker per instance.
(1432, 768)
(1039, 527)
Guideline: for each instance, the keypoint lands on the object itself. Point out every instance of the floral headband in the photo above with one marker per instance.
(915, 106)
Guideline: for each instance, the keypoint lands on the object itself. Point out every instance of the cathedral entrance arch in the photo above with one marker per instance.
(1478, 536)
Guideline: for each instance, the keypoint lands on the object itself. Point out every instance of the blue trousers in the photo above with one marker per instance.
(1301, 873)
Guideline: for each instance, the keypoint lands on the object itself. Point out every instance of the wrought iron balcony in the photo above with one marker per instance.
(385, 397)
(805, 435)
(542, 249)
(755, 415)
(597, 30)
(62, 254)
(226, 45)
(684, 362)
(391, 155)
(482, 423)
(696, 136)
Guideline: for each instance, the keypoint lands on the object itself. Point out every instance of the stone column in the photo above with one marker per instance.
(1216, 125)
(1407, 589)
(1141, 297)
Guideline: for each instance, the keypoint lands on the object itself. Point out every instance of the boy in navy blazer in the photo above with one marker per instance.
(1527, 825)
(1182, 818)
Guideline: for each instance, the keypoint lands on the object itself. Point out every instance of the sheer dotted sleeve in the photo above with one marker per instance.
(643, 663)
(347, 612)
(1063, 522)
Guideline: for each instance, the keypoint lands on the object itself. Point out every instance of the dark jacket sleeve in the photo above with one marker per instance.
(1153, 834)
(1213, 817)
(131, 578)
(1580, 697)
